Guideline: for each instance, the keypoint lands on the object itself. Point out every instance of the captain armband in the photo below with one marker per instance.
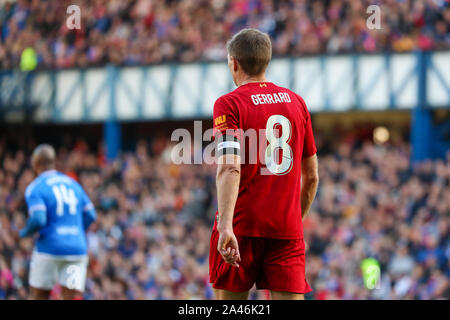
(228, 145)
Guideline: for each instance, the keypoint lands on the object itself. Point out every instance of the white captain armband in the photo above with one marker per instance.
(228, 145)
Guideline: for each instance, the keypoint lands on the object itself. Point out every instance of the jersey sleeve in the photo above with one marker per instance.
(37, 212)
(87, 204)
(35, 200)
(226, 127)
(309, 145)
(89, 214)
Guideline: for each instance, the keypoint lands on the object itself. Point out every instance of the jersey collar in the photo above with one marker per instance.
(48, 173)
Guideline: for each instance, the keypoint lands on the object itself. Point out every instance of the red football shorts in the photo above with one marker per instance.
(272, 264)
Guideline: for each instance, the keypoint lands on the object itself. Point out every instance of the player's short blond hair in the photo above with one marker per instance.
(252, 49)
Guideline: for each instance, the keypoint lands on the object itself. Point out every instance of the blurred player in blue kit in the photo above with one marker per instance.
(60, 211)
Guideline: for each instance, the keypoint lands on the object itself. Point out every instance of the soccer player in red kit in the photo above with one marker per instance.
(257, 236)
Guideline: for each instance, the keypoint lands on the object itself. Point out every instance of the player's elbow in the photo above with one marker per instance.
(228, 170)
(310, 170)
(311, 177)
(40, 219)
(228, 165)
(92, 215)
(89, 217)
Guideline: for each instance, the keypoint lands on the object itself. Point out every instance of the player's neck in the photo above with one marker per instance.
(247, 79)
(46, 170)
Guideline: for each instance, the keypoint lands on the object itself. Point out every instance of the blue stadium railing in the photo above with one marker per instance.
(418, 81)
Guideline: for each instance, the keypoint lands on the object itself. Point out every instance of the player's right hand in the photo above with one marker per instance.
(229, 248)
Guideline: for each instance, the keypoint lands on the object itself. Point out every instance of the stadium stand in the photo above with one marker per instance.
(152, 235)
(130, 32)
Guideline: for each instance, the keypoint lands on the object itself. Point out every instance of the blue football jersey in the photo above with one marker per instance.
(64, 201)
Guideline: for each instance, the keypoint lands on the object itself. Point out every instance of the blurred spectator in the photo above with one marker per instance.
(151, 239)
(129, 32)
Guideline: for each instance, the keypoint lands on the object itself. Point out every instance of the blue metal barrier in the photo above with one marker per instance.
(419, 82)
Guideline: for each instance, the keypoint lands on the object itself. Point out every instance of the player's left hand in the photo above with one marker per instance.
(229, 248)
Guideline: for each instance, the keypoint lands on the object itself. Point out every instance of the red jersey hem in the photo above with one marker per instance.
(271, 236)
(267, 236)
(230, 288)
(306, 290)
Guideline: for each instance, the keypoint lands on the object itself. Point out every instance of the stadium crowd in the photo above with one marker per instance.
(151, 239)
(129, 32)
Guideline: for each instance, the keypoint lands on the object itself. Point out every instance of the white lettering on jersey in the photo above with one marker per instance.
(68, 231)
(58, 179)
(270, 98)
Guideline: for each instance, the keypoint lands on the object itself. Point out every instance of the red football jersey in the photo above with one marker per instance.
(268, 204)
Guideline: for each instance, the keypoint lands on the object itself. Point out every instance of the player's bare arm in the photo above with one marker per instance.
(227, 180)
(310, 181)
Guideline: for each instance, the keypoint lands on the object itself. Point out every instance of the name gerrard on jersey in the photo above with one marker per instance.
(266, 98)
